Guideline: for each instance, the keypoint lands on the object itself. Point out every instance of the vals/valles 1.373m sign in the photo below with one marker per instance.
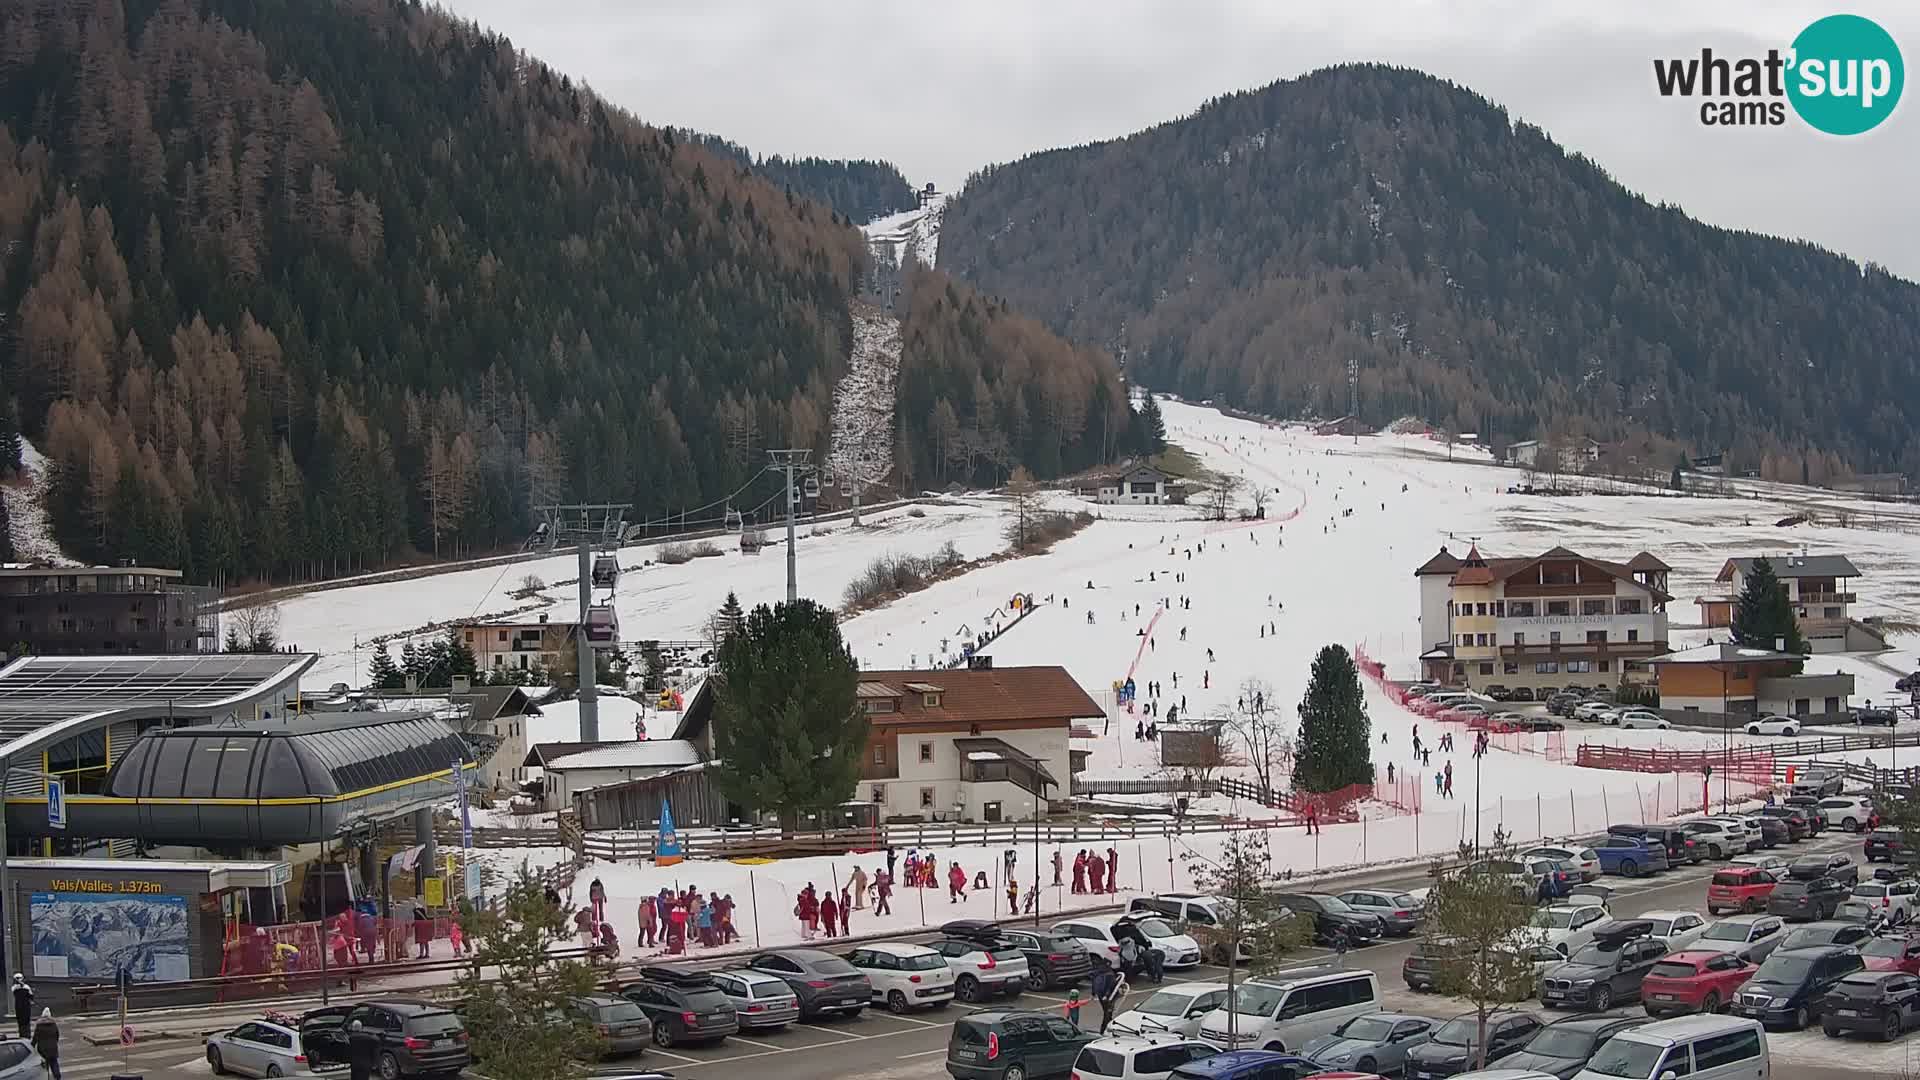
(1842, 75)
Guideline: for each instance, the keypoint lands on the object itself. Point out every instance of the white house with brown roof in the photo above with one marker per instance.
(969, 744)
(1820, 588)
(1543, 622)
(1138, 485)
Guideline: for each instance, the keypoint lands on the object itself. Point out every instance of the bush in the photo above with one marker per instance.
(916, 512)
(890, 575)
(683, 551)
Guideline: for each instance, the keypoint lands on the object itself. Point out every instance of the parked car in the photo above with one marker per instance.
(1891, 952)
(623, 1027)
(1861, 913)
(1882, 1003)
(1333, 918)
(1714, 838)
(982, 967)
(1497, 691)
(1798, 822)
(1774, 831)
(761, 1002)
(1680, 846)
(1818, 780)
(1895, 899)
(1739, 828)
(1694, 980)
(1866, 714)
(19, 1061)
(1752, 936)
(1849, 812)
(1790, 988)
(1375, 1043)
(1567, 927)
(1827, 932)
(1772, 864)
(905, 977)
(1810, 804)
(1563, 1047)
(684, 1005)
(1536, 722)
(1630, 856)
(1606, 970)
(1642, 718)
(1593, 712)
(1836, 866)
(1701, 1047)
(1679, 929)
(1881, 844)
(1583, 858)
(1798, 900)
(255, 1048)
(1739, 888)
(1399, 913)
(1053, 960)
(415, 1038)
(1773, 725)
(1455, 1045)
(1287, 1010)
(1131, 1057)
(1594, 892)
(1174, 1009)
(1013, 1044)
(1419, 968)
(1465, 712)
(825, 984)
(1249, 1065)
(1101, 935)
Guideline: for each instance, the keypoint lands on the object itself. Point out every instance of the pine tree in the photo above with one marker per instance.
(789, 730)
(9, 436)
(1153, 426)
(381, 673)
(1335, 750)
(460, 658)
(730, 618)
(412, 663)
(6, 532)
(1762, 616)
(1675, 482)
(511, 1017)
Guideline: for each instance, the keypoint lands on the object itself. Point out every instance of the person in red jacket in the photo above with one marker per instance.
(808, 909)
(829, 913)
(1080, 872)
(1095, 869)
(956, 884)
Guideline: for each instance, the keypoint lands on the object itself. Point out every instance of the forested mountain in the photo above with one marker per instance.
(858, 190)
(296, 287)
(1474, 272)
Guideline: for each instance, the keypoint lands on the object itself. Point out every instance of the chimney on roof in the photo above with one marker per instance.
(543, 617)
(1779, 644)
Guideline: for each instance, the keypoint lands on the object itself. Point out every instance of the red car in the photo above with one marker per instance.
(1892, 954)
(1740, 888)
(1695, 980)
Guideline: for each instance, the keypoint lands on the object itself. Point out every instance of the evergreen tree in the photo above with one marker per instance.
(1762, 615)
(729, 619)
(6, 532)
(1335, 750)
(460, 658)
(233, 643)
(654, 677)
(1153, 426)
(520, 1019)
(1676, 483)
(412, 664)
(790, 733)
(9, 436)
(381, 673)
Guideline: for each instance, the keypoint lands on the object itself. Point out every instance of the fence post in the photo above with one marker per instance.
(1606, 805)
(1540, 815)
(754, 892)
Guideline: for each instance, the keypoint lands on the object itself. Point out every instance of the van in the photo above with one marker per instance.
(1696, 1047)
(1288, 1009)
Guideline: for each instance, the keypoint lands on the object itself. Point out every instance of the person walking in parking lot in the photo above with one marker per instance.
(46, 1042)
(956, 883)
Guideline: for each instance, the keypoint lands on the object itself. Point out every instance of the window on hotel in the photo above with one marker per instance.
(1521, 609)
(1519, 638)
(1633, 635)
(1594, 607)
(1466, 639)
(1830, 613)
(1627, 605)
(1605, 666)
(1510, 668)
(926, 798)
(1559, 607)
(1579, 667)
(1499, 609)
(879, 753)
(1486, 669)
(1546, 667)
(1596, 637)
(926, 751)
(1480, 609)
(1480, 640)
(879, 793)
(1553, 637)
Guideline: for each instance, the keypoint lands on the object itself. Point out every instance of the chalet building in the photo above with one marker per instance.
(1346, 425)
(1820, 588)
(1578, 455)
(540, 643)
(1138, 485)
(102, 610)
(1541, 623)
(1724, 683)
(576, 767)
(970, 744)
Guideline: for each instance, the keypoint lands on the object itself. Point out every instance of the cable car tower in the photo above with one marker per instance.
(595, 531)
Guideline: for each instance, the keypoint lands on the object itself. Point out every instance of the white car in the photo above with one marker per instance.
(1641, 718)
(1135, 1058)
(905, 976)
(1772, 864)
(1740, 827)
(1174, 1009)
(1895, 899)
(1582, 858)
(1680, 929)
(1773, 725)
(981, 970)
(1176, 949)
(1847, 812)
(257, 1048)
(1566, 927)
(1593, 712)
(1717, 837)
(1744, 934)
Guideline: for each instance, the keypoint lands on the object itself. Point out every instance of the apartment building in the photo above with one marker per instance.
(1820, 588)
(101, 610)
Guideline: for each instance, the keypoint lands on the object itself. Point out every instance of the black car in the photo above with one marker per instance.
(1867, 715)
(1883, 1003)
(1828, 932)
(1053, 960)
(1791, 986)
(825, 984)
(1773, 831)
(1454, 1047)
(1334, 918)
(682, 1004)
(1798, 822)
(1610, 968)
(412, 1037)
(1882, 844)
(1680, 846)
(622, 1025)
(1810, 804)
(990, 1045)
(1418, 969)
(1804, 901)
(1534, 722)
(1838, 867)
(1563, 1047)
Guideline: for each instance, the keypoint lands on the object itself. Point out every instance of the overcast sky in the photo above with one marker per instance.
(941, 89)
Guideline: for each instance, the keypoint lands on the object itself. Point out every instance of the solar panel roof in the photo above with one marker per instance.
(37, 691)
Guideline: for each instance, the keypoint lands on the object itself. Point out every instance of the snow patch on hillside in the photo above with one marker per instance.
(863, 403)
(916, 231)
(26, 497)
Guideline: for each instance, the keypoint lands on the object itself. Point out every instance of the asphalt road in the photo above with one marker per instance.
(880, 1046)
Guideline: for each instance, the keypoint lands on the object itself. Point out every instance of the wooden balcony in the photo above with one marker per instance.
(1597, 649)
(1827, 598)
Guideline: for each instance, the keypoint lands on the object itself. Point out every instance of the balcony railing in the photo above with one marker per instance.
(1827, 598)
(1595, 648)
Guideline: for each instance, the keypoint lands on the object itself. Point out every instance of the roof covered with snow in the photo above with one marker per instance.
(1795, 566)
(1723, 652)
(1042, 695)
(646, 754)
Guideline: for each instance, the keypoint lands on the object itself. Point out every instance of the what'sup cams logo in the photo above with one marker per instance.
(1842, 75)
